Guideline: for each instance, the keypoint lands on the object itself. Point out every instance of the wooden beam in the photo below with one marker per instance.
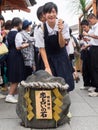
(18, 8)
(17, 4)
(97, 9)
(94, 7)
(87, 8)
(20, 3)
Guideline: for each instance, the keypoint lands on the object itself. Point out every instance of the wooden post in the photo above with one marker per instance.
(95, 7)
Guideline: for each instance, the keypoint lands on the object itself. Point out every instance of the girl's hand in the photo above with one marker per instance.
(83, 47)
(34, 68)
(48, 70)
(25, 45)
(60, 25)
(85, 34)
(86, 39)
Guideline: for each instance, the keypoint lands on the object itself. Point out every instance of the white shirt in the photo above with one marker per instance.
(70, 46)
(18, 40)
(40, 34)
(82, 43)
(90, 39)
(36, 29)
(94, 31)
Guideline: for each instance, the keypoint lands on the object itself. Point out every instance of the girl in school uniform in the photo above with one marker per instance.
(15, 59)
(51, 40)
(86, 43)
(93, 21)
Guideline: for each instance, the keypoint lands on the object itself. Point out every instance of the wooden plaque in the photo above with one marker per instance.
(43, 104)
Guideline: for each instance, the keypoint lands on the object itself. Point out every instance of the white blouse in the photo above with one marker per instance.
(40, 34)
(18, 40)
(94, 31)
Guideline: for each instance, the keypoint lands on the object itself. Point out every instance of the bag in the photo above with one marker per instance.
(3, 49)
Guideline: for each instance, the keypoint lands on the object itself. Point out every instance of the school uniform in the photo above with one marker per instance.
(85, 56)
(70, 51)
(94, 58)
(36, 52)
(57, 56)
(15, 60)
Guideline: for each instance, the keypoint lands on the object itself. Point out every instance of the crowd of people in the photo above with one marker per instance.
(51, 47)
(89, 52)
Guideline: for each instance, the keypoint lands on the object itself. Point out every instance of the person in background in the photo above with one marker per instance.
(7, 28)
(2, 58)
(15, 61)
(41, 18)
(40, 14)
(51, 40)
(28, 53)
(93, 21)
(71, 50)
(85, 56)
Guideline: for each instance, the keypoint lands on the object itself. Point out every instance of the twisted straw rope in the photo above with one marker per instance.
(47, 85)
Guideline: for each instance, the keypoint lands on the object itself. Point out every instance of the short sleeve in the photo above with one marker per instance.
(39, 38)
(35, 31)
(18, 40)
(65, 31)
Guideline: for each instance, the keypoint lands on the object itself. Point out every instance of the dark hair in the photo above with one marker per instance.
(84, 22)
(1, 17)
(8, 25)
(70, 31)
(91, 15)
(15, 22)
(39, 12)
(80, 36)
(49, 6)
(24, 28)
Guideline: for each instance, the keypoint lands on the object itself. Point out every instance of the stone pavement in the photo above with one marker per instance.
(83, 108)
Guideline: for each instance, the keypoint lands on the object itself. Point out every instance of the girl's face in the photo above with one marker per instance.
(42, 18)
(92, 21)
(85, 28)
(29, 28)
(51, 16)
(2, 24)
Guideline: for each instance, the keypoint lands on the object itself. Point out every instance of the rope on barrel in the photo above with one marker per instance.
(48, 85)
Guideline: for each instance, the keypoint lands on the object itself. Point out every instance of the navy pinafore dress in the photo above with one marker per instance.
(58, 58)
(15, 60)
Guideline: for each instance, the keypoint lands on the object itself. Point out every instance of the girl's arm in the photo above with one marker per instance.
(20, 44)
(40, 44)
(62, 41)
(24, 45)
(90, 35)
(45, 60)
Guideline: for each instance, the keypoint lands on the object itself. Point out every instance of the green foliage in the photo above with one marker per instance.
(83, 5)
(79, 6)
